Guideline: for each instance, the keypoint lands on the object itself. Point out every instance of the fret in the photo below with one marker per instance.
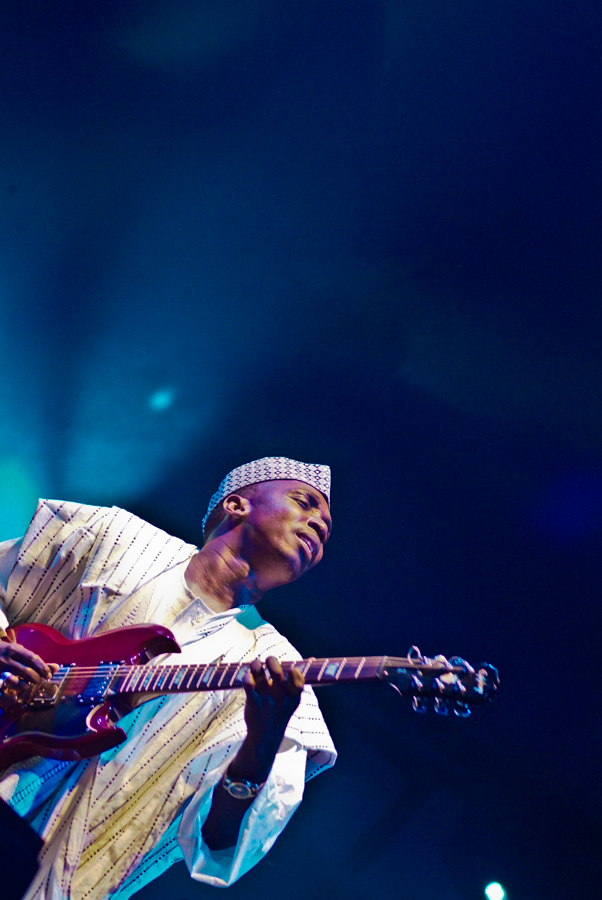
(129, 675)
(152, 682)
(161, 677)
(307, 666)
(315, 670)
(137, 679)
(360, 667)
(144, 681)
(321, 672)
(207, 674)
(190, 673)
(173, 677)
(235, 675)
(223, 675)
(177, 677)
(157, 681)
(122, 681)
(340, 669)
(216, 676)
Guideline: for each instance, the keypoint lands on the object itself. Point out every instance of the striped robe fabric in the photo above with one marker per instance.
(113, 823)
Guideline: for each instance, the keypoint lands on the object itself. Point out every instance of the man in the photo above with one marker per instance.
(211, 777)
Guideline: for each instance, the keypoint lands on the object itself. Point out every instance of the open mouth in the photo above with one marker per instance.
(308, 545)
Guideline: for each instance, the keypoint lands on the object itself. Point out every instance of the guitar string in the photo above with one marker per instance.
(393, 662)
(195, 674)
(296, 662)
(104, 669)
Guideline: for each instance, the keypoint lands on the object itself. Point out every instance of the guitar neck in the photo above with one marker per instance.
(211, 677)
(410, 676)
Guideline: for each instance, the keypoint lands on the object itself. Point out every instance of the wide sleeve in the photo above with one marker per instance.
(265, 819)
(307, 749)
(79, 565)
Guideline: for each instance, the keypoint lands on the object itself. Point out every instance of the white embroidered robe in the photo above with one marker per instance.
(113, 823)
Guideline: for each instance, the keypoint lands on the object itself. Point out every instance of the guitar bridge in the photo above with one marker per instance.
(44, 694)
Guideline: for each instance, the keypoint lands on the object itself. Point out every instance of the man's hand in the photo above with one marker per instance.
(23, 664)
(272, 698)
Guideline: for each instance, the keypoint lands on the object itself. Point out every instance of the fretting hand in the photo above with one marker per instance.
(272, 698)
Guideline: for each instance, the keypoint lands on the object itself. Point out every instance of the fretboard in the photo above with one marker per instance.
(212, 677)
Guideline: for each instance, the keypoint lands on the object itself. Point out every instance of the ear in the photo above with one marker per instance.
(237, 507)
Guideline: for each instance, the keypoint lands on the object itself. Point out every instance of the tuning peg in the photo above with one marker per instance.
(419, 705)
(441, 706)
(461, 709)
(417, 682)
(458, 661)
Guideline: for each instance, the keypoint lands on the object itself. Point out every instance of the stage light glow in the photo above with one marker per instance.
(18, 497)
(161, 400)
(495, 891)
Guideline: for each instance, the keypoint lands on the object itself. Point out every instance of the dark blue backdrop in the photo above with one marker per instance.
(361, 233)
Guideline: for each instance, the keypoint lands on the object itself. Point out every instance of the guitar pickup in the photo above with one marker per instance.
(96, 688)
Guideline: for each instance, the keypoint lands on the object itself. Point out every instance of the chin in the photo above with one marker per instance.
(287, 576)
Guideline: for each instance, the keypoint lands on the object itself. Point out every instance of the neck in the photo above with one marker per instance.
(222, 576)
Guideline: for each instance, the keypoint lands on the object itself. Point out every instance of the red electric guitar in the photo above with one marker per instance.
(71, 716)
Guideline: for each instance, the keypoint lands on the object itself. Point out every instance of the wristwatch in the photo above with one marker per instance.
(240, 788)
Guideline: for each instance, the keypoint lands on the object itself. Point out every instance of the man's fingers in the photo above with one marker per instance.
(29, 659)
(256, 667)
(22, 662)
(254, 677)
(21, 671)
(296, 681)
(25, 673)
(269, 679)
(275, 670)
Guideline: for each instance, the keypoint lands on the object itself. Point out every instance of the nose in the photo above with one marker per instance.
(319, 525)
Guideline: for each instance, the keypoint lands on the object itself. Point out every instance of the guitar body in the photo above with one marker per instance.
(68, 728)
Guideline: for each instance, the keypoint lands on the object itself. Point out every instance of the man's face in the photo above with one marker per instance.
(285, 531)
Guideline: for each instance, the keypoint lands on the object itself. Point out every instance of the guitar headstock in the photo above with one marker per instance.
(452, 684)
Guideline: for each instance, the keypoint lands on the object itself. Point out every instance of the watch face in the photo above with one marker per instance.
(242, 790)
(239, 789)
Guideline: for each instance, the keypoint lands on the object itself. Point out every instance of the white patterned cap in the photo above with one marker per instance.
(271, 468)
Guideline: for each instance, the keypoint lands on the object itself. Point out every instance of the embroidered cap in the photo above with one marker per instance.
(271, 468)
